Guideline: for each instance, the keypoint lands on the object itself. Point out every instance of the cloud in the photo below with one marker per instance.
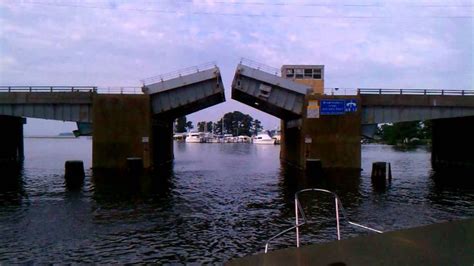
(110, 43)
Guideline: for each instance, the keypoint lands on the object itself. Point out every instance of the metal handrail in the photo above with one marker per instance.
(259, 66)
(120, 90)
(48, 89)
(178, 73)
(380, 91)
(298, 209)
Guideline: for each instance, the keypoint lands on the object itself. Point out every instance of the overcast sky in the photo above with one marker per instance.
(387, 44)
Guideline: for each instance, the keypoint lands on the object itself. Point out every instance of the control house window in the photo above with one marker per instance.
(304, 73)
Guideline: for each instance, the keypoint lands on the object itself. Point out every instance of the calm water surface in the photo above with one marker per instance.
(218, 202)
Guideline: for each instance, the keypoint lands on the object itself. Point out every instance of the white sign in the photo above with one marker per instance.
(312, 111)
(145, 139)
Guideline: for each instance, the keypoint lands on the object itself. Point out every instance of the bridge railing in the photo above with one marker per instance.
(415, 92)
(48, 89)
(260, 66)
(340, 91)
(178, 73)
(92, 89)
(120, 90)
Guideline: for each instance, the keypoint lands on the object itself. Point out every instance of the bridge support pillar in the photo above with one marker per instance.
(162, 146)
(332, 139)
(121, 129)
(452, 143)
(11, 139)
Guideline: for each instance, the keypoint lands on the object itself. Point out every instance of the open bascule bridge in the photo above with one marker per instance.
(315, 126)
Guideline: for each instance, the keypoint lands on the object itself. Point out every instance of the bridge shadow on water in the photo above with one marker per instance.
(340, 181)
(122, 187)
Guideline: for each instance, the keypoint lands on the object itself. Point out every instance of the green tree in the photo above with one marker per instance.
(402, 132)
(189, 125)
(201, 126)
(237, 123)
(256, 127)
(209, 126)
(180, 124)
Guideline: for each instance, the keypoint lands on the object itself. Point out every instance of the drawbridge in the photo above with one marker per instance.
(186, 91)
(267, 92)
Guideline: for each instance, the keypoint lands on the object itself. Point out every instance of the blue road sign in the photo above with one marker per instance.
(333, 107)
(338, 107)
(351, 106)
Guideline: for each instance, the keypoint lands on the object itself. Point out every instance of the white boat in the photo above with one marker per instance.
(195, 137)
(263, 139)
(277, 138)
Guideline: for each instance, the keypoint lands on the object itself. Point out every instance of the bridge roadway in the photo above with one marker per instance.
(48, 102)
(390, 106)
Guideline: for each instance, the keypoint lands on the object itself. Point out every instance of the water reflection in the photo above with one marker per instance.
(11, 184)
(119, 187)
(217, 202)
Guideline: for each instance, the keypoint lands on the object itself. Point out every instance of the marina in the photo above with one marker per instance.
(206, 137)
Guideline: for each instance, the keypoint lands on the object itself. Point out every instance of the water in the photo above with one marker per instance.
(218, 202)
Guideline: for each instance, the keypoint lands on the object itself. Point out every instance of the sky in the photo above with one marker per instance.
(424, 44)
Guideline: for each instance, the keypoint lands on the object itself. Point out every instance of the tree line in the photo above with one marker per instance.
(235, 123)
(414, 132)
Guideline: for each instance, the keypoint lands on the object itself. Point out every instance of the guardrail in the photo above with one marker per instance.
(340, 91)
(415, 92)
(260, 66)
(92, 89)
(48, 89)
(178, 73)
(120, 90)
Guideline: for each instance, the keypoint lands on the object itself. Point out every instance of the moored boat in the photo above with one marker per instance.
(263, 139)
(195, 137)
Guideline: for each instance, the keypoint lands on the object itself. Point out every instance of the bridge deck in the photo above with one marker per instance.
(269, 93)
(450, 243)
(423, 105)
(186, 94)
(64, 104)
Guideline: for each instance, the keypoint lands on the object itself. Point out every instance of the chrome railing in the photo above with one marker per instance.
(299, 209)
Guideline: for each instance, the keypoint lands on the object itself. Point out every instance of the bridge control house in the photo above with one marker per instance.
(316, 128)
(328, 133)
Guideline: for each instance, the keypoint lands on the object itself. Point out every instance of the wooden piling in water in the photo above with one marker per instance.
(74, 173)
(381, 172)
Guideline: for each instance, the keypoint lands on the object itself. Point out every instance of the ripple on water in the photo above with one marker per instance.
(217, 203)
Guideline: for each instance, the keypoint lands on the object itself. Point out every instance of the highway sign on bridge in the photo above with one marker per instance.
(338, 106)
